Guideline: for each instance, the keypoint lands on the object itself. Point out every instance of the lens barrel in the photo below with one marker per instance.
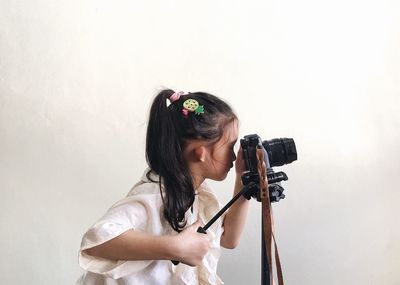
(280, 151)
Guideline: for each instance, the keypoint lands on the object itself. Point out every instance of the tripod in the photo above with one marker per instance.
(251, 188)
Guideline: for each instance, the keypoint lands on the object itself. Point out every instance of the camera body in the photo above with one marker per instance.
(277, 152)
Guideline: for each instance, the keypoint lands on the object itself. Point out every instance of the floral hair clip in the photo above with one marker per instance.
(191, 105)
(175, 97)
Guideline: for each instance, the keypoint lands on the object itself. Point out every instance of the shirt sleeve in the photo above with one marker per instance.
(137, 212)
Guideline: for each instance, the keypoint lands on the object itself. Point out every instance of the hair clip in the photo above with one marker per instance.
(191, 105)
(176, 96)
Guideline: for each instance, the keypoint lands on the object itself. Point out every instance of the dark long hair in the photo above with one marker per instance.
(167, 132)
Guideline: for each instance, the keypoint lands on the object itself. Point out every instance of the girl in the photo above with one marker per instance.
(190, 137)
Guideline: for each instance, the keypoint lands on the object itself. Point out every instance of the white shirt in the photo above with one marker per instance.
(142, 210)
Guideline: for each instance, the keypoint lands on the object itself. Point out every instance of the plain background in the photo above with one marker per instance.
(76, 82)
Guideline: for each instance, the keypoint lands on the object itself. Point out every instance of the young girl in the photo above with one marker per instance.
(190, 137)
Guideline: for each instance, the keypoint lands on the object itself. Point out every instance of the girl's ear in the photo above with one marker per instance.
(200, 153)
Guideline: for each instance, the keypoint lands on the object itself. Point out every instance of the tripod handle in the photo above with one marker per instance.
(199, 230)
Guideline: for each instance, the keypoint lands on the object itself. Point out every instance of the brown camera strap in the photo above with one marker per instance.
(268, 220)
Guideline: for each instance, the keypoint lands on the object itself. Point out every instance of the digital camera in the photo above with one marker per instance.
(277, 152)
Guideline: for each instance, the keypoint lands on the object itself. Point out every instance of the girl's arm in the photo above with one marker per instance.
(188, 247)
(236, 216)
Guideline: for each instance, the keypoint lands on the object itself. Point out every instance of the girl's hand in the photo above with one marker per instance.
(240, 166)
(191, 245)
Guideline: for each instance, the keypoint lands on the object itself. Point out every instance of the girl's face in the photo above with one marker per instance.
(222, 154)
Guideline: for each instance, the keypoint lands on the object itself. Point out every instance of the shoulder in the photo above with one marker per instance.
(144, 194)
(147, 188)
(148, 184)
(141, 206)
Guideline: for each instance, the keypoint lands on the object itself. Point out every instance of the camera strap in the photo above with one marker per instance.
(268, 220)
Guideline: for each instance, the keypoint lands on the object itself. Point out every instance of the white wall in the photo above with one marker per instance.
(76, 81)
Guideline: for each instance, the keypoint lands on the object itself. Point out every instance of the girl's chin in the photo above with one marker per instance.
(221, 176)
(224, 176)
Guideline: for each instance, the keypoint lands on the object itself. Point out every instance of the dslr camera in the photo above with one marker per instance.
(277, 152)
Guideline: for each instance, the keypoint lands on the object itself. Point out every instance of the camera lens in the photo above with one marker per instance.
(280, 151)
